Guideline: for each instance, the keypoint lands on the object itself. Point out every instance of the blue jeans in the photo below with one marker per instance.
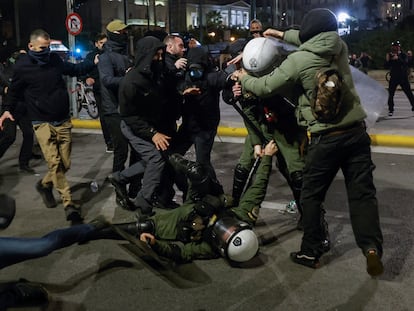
(14, 250)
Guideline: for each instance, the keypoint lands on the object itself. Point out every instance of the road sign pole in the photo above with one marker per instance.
(71, 81)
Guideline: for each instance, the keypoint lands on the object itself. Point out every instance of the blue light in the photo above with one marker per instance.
(78, 50)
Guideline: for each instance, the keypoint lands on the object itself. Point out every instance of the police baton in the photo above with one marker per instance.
(234, 102)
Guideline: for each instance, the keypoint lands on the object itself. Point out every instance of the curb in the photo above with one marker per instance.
(376, 139)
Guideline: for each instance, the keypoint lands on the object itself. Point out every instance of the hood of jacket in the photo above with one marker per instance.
(317, 21)
(145, 51)
(197, 56)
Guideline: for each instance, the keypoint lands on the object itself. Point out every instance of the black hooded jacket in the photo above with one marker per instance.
(202, 112)
(112, 67)
(142, 100)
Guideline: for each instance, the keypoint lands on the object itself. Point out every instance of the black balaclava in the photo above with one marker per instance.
(121, 38)
(315, 22)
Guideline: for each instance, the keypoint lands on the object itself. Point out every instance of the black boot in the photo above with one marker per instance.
(191, 169)
(239, 182)
(136, 228)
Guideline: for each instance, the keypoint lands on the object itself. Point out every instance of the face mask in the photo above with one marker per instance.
(42, 57)
(121, 38)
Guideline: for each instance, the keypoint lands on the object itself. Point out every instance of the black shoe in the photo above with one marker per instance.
(73, 214)
(109, 149)
(27, 294)
(374, 263)
(390, 113)
(125, 203)
(25, 168)
(47, 194)
(120, 188)
(305, 260)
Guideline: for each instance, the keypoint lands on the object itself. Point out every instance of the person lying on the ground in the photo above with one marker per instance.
(17, 249)
(196, 229)
(202, 228)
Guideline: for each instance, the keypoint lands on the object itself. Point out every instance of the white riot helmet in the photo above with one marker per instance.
(235, 239)
(262, 55)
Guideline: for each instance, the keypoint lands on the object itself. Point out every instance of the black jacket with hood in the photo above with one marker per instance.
(112, 66)
(202, 112)
(142, 100)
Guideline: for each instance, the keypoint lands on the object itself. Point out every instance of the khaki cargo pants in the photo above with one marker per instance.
(56, 145)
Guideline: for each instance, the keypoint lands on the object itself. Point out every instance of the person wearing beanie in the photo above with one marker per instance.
(113, 64)
(341, 143)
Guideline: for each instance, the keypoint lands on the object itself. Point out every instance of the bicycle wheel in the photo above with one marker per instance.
(79, 101)
(92, 108)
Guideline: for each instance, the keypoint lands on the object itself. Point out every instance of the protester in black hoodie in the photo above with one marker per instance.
(148, 122)
(38, 82)
(113, 65)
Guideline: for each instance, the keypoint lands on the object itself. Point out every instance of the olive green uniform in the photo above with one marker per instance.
(182, 234)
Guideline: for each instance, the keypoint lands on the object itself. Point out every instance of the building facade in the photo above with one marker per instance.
(19, 17)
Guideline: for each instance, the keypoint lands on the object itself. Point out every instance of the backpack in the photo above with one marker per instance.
(327, 95)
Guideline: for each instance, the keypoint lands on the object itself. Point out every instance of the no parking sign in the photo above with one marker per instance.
(74, 24)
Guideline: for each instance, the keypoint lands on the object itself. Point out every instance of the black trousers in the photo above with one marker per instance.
(406, 87)
(349, 151)
(105, 128)
(8, 136)
(119, 142)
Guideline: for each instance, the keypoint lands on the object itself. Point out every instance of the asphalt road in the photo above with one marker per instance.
(112, 275)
